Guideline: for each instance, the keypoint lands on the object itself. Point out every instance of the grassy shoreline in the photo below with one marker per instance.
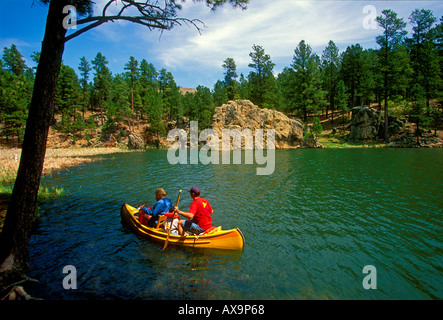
(330, 141)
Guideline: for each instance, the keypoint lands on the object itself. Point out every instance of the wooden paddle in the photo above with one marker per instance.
(170, 227)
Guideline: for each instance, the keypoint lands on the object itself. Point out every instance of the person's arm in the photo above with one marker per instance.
(189, 214)
(186, 214)
(159, 207)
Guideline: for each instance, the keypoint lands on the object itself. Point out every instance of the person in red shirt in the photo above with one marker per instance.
(199, 215)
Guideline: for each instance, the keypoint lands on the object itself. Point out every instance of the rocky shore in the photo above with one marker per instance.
(367, 125)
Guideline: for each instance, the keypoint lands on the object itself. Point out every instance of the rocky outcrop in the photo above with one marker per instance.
(135, 141)
(243, 114)
(365, 124)
(395, 126)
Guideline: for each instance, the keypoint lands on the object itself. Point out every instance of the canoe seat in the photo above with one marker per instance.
(161, 221)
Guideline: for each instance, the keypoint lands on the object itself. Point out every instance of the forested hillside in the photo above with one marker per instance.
(403, 76)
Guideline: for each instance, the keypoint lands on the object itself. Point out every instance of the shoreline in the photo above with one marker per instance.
(55, 160)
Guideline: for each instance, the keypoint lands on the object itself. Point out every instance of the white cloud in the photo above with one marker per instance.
(278, 26)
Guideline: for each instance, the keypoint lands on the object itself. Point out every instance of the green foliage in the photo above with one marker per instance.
(102, 82)
(204, 105)
(262, 83)
(90, 127)
(424, 53)
(13, 60)
(68, 91)
(317, 128)
(84, 68)
(416, 109)
(46, 194)
(231, 83)
(330, 73)
(154, 110)
(394, 73)
(220, 93)
(170, 94)
(308, 95)
(15, 94)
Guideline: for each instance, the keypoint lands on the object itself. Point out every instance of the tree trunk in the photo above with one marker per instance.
(16, 232)
(131, 127)
(386, 117)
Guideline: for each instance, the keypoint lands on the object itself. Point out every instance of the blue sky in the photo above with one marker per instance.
(195, 59)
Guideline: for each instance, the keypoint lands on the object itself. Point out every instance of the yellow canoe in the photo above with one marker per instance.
(218, 239)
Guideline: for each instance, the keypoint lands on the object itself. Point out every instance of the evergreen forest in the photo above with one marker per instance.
(403, 75)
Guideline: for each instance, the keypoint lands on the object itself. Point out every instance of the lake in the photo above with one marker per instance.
(310, 228)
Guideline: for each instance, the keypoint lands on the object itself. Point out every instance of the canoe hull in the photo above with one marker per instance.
(223, 239)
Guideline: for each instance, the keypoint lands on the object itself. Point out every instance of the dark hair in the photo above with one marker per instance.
(197, 194)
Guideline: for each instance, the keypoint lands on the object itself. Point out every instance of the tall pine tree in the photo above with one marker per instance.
(309, 96)
(390, 56)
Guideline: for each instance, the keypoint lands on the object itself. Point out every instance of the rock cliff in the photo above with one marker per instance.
(243, 114)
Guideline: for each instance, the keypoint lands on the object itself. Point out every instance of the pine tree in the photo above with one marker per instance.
(204, 103)
(352, 71)
(390, 41)
(154, 111)
(309, 96)
(424, 54)
(368, 89)
(15, 93)
(14, 102)
(148, 83)
(220, 93)
(133, 75)
(417, 109)
(262, 82)
(287, 87)
(102, 83)
(330, 73)
(170, 94)
(244, 87)
(341, 100)
(230, 78)
(148, 75)
(67, 97)
(119, 107)
(84, 68)
(13, 60)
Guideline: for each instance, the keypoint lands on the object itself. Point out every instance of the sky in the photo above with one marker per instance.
(195, 58)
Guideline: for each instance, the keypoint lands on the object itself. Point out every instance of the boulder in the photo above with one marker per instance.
(365, 124)
(395, 126)
(243, 114)
(135, 141)
(312, 142)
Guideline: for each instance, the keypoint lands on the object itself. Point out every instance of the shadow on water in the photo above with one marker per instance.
(309, 228)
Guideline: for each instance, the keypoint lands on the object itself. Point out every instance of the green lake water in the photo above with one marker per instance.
(310, 228)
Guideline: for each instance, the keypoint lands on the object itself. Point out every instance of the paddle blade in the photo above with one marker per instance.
(166, 242)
